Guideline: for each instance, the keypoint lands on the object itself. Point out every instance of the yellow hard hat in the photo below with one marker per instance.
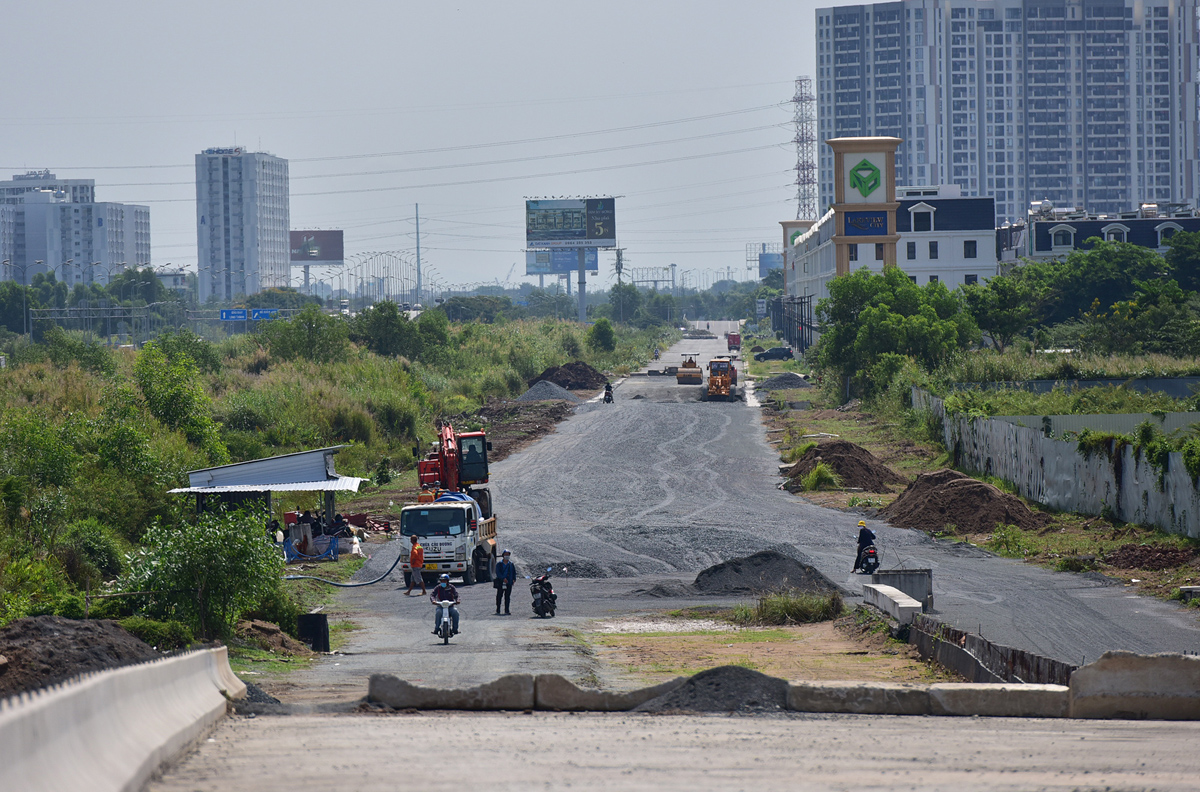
(863, 523)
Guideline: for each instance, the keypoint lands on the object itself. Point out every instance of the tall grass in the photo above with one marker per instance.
(790, 607)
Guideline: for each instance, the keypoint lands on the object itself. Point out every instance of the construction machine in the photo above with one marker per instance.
(457, 462)
(722, 379)
(688, 372)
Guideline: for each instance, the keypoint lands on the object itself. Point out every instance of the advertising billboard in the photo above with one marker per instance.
(866, 223)
(583, 222)
(317, 247)
(560, 261)
(768, 262)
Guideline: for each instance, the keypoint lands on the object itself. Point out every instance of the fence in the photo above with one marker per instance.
(1055, 474)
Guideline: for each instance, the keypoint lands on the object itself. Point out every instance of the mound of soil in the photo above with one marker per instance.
(785, 381)
(756, 349)
(768, 570)
(575, 375)
(857, 466)
(545, 390)
(1149, 557)
(45, 650)
(947, 497)
(723, 689)
(268, 636)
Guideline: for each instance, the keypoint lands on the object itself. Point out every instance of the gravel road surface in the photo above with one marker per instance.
(504, 751)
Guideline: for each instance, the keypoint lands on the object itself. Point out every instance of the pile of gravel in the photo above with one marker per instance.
(768, 570)
(548, 391)
(256, 695)
(786, 381)
(723, 689)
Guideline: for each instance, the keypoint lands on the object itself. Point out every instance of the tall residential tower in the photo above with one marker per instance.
(241, 223)
(1086, 103)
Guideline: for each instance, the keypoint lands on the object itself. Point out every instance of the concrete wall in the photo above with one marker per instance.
(1054, 473)
(916, 583)
(979, 660)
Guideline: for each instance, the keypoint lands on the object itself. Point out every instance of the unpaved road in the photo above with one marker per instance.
(500, 751)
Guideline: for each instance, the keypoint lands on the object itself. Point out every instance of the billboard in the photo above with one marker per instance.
(583, 222)
(865, 223)
(560, 261)
(768, 262)
(317, 247)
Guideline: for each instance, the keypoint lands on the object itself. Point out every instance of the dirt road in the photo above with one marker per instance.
(631, 752)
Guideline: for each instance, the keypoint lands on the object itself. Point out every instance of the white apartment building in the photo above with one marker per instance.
(1085, 103)
(75, 190)
(45, 231)
(944, 238)
(241, 223)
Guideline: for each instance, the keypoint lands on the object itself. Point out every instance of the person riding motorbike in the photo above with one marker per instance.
(443, 591)
(608, 393)
(866, 538)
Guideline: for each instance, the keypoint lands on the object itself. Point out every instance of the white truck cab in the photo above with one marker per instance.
(456, 538)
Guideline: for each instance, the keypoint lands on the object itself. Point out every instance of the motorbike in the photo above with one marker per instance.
(544, 598)
(445, 624)
(608, 395)
(869, 561)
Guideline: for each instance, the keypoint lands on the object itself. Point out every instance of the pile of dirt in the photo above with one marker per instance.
(756, 349)
(512, 425)
(576, 375)
(1149, 557)
(767, 570)
(45, 650)
(857, 467)
(545, 390)
(947, 497)
(269, 637)
(723, 689)
(786, 381)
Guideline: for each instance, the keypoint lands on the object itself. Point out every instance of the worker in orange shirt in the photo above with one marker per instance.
(416, 562)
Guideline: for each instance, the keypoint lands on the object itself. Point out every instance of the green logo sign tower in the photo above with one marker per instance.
(864, 174)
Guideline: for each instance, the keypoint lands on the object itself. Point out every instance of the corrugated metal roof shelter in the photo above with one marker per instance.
(304, 471)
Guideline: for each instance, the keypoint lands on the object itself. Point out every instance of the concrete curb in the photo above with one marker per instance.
(891, 601)
(112, 729)
(553, 692)
(859, 698)
(1130, 686)
(512, 692)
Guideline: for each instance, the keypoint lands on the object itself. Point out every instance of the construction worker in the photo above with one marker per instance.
(506, 578)
(416, 562)
(866, 538)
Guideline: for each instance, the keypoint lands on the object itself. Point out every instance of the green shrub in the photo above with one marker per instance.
(795, 452)
(601, 336)
(820, 477)
(791, 607)
(277, 607)
(165, 636)
(1008, 541)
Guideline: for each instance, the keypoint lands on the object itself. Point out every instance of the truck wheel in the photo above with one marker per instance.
(469, 574)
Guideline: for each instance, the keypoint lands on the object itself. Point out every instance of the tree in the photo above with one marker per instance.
(207, 574)
(1003, 308)
(281, 298)
(1106, 272)
(625, 300)
(384, 330)
(481, 308)
(869, 316)
(175, 396)
(1183, 257)
(310, 334)
(601, 336)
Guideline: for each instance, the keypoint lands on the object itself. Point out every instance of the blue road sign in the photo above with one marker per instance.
(233, 314)
(258, 314)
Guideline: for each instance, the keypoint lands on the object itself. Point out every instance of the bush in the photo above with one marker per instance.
(206, 574)
(601, 336)
(89, 553)
(791, 607)
(165, 636)
(1008, 541)
(277, 607)
(820, 477)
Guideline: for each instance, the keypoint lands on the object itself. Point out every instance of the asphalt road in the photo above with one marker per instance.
(652, 489)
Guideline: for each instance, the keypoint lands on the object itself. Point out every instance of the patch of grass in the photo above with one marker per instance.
(820, 477)
(308, 594)
(790, 607)
(339, 633)
(794, 453)
(244, 658)
(868, 502)
(1008, 541)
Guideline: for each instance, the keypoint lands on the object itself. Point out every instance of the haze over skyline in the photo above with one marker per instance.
(466, 108)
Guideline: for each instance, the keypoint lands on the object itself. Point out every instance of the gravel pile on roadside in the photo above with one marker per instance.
(723, 689)
(548, 391)
(256, 695)
(947, 497)
(785, 381)
(856, 466)
(1149, 557)
(45, 650)
(767, 570)
(575, 375)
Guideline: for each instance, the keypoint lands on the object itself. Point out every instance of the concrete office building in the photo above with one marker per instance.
(74, 190)
(241, 223)
(79, 242)
(1085, 103)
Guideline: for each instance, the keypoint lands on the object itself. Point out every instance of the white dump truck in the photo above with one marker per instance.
(457, 540)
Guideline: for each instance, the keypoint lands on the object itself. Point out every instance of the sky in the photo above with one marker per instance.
(680, 109)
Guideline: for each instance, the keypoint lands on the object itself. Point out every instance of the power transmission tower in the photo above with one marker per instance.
(620, 264)
(806, 149)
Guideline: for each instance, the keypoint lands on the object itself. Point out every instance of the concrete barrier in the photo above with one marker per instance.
(916, 583)
(999, 701)
(111, 729)
(553, 692)
(1131, 686)
(861, 698)
(891, 601)
(512, 692)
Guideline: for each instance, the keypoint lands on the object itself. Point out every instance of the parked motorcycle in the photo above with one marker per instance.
(544, 598)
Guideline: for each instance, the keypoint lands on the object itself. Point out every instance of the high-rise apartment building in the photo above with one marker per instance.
(53, 225)
(241, 222)
(1085, 103)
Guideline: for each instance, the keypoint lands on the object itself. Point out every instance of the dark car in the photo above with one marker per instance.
(775, 353)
